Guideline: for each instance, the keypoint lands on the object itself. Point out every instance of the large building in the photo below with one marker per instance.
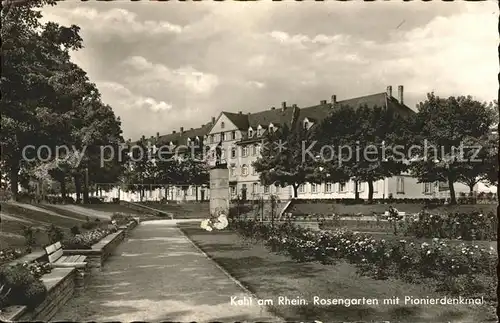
(240, 134)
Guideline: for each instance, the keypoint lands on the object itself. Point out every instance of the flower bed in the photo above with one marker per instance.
(9, 254)
(59, 286)
(87, 239)
(463, 269)
(464, 226)
(20, 286)
(120, 218)
(100, 251)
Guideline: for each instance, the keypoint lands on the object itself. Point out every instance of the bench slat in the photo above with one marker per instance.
(50, 249)
(72, 258)
(55, 256)
(62, 259)
(81, 258)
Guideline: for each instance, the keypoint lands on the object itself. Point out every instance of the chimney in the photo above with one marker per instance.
(182, 129)
(272, 108)
(400, 94)
(322, 102)
(389, 91)
(157, 135)
(213, 120)
(334, 101)
(283, 105)
(173, 131)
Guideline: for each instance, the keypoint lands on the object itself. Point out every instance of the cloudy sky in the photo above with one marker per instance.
(171, 64)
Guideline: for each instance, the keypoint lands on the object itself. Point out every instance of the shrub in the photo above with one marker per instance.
(55, 234)
(10, 254)
(87, 239)
(89, 225)
(29, 236)
(463, 226)
(121, 218)
(95, 200)
(24, 288)
(379, 258)
(75, 230)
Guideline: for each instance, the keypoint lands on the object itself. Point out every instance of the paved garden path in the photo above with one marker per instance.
(157, 274)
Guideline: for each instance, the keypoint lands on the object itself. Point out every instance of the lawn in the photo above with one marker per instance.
(369, 209)
(183, 210)
(109, 207)
(270, 275)
(17, 216)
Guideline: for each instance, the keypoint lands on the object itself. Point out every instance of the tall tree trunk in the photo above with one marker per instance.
(14, 182)
(78, 188)
(86, 199)
(62, 182)
(471, 188)
(356, 193)
(196, 192)
(295, 190)
(453, 198)
(370, 191)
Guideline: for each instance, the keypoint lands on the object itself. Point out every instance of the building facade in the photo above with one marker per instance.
(239, 136)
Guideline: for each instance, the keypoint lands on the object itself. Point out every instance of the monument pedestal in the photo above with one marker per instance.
(219, 189)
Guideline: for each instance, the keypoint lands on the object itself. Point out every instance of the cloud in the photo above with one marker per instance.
(115, 22)
(304, 40)
(183, 65)
(256, 84)
(148, 73)
(129, 100)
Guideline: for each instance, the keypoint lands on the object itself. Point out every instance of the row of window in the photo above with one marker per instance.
(223, 136)
(315, 188)
(244, 170)
(254, 150)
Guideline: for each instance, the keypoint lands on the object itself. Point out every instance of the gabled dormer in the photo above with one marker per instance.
(307, 123)
(260, 130)
(272, 127)
(251, 132)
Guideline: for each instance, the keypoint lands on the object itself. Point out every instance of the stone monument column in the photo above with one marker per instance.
(219, 189)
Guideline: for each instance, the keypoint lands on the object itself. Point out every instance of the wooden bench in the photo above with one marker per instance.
(57, 260)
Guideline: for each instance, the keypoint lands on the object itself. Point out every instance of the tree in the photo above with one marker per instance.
(445, 125)
(142, 167)
(282, 161)
(33, 56)
(363, 142)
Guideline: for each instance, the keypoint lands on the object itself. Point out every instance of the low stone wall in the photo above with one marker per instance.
(100, 251)
(129, 226)
(60, 284)
(38, 255)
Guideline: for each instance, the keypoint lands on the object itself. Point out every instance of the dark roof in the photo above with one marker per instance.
(180, 138)
(238, 119)
(279, 116)
(274, 116)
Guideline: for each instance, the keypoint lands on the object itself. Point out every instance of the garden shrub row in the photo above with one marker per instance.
(86, 239)
(10, 254)
(20, 286)
(120, 218)
(463, 226)
(460, 270)
(458, 225)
